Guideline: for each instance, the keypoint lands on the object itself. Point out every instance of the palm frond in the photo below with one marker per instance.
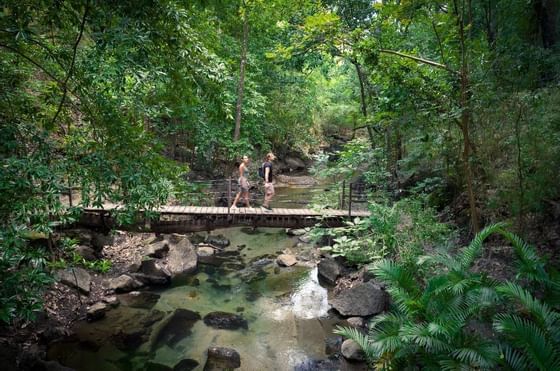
(530, 265)
(471, 252)
(361, 339)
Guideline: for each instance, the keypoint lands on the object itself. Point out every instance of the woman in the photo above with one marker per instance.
(267, 175)
(243, 183)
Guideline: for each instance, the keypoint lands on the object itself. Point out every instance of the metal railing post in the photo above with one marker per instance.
(350, 200)
(228, 195)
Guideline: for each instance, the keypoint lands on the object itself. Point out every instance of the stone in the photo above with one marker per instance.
(112, 301)
(286, 260)
(332, 345)
(329, 270)
(217, 241)
(305, 238)
(157, 249)
(140, 299)
(75, 277)
(86, 252)
(294, 163)
(296, 232)
(364, 299)
(226, 321)
(221, 358)
(182, 258)
(356, 322)
(186, 365)
(129, 339)
(52, 333)
(99, 240)
(352, 351)
(123, 283)
(174, 328)
(206, 254)
(96, 311)
(151, 273)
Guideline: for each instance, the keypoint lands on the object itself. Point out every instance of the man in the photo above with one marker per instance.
(268, 186)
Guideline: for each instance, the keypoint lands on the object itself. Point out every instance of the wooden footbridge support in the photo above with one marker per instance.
(183, 219)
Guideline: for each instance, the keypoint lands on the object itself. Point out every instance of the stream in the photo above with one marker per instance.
(286, 309)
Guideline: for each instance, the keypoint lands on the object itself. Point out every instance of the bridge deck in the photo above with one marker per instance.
(249, 211)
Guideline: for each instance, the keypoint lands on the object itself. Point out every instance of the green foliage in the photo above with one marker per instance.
(400, 231)
(441, 318)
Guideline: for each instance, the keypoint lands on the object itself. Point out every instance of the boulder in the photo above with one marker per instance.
(157, 249)
(151, 273)
(296, 232)
(329, 270)
(130, 339)
(174, 328)
(224, 320)
(332, 345)
(140, 299)
(294, 163)
(364, 299)
(286, 260)
(305, 238)
(75, 277)
(86, 252)
(123, 283)
(356, 322)
(218, 241)
(186, 365)
(112, 301)
(156, 366)
(99, 240)
(220, 358)
(182, 258)
(96, 311)
(206, 254)
(352, 351)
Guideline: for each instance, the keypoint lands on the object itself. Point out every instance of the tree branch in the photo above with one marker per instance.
(419, 60)
(69, 74)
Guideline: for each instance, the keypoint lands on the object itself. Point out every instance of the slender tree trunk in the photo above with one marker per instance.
(363, 102)
(241, 85)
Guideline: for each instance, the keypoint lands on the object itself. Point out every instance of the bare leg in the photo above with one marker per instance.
(246, 197)
(236, 199)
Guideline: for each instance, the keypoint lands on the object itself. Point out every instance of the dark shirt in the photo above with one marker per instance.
(268, 165)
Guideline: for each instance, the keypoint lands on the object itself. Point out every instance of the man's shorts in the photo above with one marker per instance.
(268, 189)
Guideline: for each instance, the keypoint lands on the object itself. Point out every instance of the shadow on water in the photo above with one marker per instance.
(285, 312)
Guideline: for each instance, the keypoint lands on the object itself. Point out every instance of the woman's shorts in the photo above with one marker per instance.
(243, 184)
(268, 189)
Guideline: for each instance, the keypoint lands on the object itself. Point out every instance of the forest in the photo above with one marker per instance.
(447, 111)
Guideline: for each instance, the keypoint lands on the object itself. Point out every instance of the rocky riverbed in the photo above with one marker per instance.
(235, 298)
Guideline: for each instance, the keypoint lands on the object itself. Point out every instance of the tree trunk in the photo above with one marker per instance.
(546, 12)
(241, 85)
(363, 101)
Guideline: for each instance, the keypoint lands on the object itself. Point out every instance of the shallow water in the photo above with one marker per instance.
(286, 310)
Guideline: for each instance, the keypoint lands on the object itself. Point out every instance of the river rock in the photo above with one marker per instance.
(174, 328)
(206, 254)
(286, 260)
(96, 311)
(329, 270)
(356, 322)
(112, 301)
(123, 283)
(140, 299)
(296, 232)
(182, 258)
(220, 358)
(352, 351)
(364, 299)
(75, 277)
(86, 252)
(151, 273)
(224, 320)
(99, 240)
(157, 249)
(186, 365)
(332, 344)
(156, 366)
(218, 241)
(130, 339)
(305, 238)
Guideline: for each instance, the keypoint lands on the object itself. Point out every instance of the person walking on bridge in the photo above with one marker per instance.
(267, 175)
(243, 183)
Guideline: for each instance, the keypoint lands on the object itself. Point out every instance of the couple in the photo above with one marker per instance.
(244, 183)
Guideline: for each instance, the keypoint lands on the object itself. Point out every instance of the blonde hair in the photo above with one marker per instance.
(270, 156)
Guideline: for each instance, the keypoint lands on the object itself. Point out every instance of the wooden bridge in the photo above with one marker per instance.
(181, 219)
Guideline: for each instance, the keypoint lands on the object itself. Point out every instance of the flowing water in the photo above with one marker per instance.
(286, 310)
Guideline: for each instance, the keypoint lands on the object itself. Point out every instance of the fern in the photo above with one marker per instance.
(529, 264)
(470, 253)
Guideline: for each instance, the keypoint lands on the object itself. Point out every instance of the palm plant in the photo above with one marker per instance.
(445, 321)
